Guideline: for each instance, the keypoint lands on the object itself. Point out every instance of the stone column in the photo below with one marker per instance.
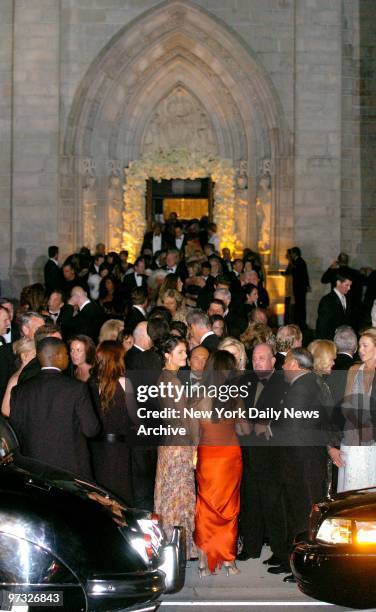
(114, 206)
(317, 103)
(35, 131)
(6, 55)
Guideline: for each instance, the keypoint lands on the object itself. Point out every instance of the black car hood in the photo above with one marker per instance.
(77, 520)
(360, 501)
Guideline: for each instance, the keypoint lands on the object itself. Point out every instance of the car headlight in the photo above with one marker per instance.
(335, 531)
(365, 532)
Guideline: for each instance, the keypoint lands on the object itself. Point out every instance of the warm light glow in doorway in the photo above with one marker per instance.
(186, 208)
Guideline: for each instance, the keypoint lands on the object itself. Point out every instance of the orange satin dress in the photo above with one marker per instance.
(218, 474)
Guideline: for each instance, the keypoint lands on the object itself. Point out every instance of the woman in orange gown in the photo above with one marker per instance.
(218, 474)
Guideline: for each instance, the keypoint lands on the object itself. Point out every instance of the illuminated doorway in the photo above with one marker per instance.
(190, 199)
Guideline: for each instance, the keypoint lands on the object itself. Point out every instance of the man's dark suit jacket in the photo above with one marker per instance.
(133, 318)
(29, 371)
(355, 292)
(236, 322)
(331, 315)
(337, 385)
(53, 277)
(211, 342)
(135, 359)
(87, 321)
(173, 245)
(148, 242)
(52, 416)
(129, 283)
(7, 367)
(304, 394)
(300, 278)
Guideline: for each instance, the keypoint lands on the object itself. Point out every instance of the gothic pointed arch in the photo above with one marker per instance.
(179, 54)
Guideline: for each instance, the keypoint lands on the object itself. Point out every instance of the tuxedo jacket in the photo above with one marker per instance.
(133, 318)
(300, 278)
(148, 241)
(300, 434)
(52, 416)
(7, 367)
(331, 315)
(236, 321)
(181, 270)
(53, 277)
(211, 342)
(87, 321)
(129, 283)
(173, 245)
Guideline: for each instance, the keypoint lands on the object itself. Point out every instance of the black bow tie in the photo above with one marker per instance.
(54, 314)
(138, 275)
(170, 269)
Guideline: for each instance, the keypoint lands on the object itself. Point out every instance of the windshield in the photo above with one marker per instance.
(8, 440)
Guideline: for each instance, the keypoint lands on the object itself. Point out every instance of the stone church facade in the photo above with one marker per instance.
(284, 89)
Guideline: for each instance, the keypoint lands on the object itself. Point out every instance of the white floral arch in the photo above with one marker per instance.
(178, 164)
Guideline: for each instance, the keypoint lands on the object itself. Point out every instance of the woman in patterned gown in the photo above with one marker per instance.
(174, 495)
(356, 458)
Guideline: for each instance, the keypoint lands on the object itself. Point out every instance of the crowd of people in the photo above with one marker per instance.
(75, 350)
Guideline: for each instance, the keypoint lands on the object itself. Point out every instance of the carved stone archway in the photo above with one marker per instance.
(174, 47)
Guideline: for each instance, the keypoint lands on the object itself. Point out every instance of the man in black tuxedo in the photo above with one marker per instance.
(341, 266)
(48, 330)
(262, 513)
(155, 240)
(53, 278)
(288, 337)
(173, 265)
(179, 240)
(143, 367)
(12, 333)
(71, 279)
(81, 316)
(334, 309)
(137, 312)
(4, 324)
(52, 414)
(56, 306)
(234, 315)
(134, 358)
(300, 452)
(200, 331)
(300, 287)
(28, 324)
(136, 278)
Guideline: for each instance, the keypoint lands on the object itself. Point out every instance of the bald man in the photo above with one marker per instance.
(52, 414)
(82, 316)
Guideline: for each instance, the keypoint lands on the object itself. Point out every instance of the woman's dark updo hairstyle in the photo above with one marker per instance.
(168, 345)
(180, 327)
(219, 370)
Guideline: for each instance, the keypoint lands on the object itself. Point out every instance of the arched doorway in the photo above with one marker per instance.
(175, 56)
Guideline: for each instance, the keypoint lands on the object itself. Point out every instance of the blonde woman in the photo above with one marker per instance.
(110, 330)
(236, 348)
(356, 458)
(24, 349)
(174, 302)
(324, 353)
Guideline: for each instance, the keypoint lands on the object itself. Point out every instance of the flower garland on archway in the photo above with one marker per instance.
(178, 164)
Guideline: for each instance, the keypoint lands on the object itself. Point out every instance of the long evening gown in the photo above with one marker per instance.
(174, 494)
(358, 445)
(111, 459)
(218, 475)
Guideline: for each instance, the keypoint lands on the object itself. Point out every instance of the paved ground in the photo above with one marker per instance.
(253, 589)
